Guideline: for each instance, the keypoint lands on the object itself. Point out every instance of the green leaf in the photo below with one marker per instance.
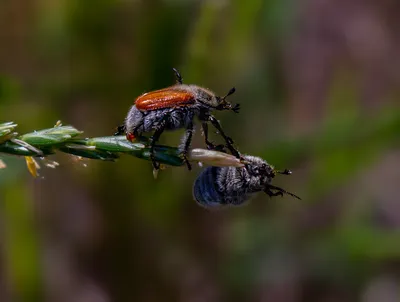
(51, 136)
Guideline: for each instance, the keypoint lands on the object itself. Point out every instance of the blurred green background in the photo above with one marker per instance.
(318, 82)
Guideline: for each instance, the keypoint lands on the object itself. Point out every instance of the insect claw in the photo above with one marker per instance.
(220, 148)
(280, 190)
(272, 194)
(210, 146)
(119, 130)
(183, 155)
(236, 108)
(156, 166)
(155, 172)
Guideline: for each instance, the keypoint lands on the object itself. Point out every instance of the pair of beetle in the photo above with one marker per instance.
(176, 107)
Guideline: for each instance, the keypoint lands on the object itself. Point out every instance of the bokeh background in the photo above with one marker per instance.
(318, 82)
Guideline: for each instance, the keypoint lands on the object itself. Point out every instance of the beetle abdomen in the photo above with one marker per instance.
(205, 189)
(141, 122)
(134, 120)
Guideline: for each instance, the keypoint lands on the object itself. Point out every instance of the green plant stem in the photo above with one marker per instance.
(109, 148)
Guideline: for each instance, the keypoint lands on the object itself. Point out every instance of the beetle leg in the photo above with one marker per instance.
(280, 191)
(178, 76)
(186, 144)
(120, 130)
(228, 140)
(210, 145)
(271, 194)
(154, 138)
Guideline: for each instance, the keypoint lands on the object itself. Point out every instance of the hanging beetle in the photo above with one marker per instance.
(218, 187)
(173, 108)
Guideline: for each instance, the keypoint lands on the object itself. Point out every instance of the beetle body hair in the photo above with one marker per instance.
(139, 122)
(230, 186)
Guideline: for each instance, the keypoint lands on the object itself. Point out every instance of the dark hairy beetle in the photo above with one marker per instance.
(173, 108)
(218, 187)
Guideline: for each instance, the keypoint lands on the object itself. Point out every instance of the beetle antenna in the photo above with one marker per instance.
(178, 76)
(235, 108)
(284, 172)
(233, 89)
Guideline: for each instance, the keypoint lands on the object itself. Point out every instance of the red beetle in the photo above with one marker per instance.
(173, 108)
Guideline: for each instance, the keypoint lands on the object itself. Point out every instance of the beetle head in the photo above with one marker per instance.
(262, 170)
(278, 190)
(224, 105)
